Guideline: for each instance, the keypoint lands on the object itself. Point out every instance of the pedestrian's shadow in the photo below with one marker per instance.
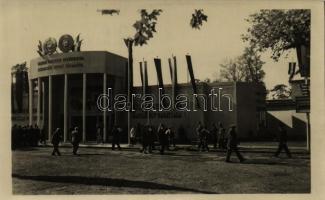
(263, 162)
(90, 154)
(26, 149)
(112, 182)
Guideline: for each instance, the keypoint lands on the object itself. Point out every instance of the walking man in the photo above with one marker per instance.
(133, 136)
(151, 139)
(55, 140)
(214, 133)
(99, 134)
(163, 137)
(75, 140)
(171, 136)
(145, 141)
(204, 139)
(116, 137)
(232, 144)
(282, 141)
(221, 137)
(199, 135)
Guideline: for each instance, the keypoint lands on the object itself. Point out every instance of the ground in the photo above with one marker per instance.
(103, 171)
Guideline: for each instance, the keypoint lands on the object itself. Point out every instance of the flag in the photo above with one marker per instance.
(145, 78)
(303, 54)
(175, 70)
(170, 69)
(141, 74)
(190, 70)
(159, 73)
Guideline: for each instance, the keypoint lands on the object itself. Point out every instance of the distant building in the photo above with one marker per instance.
(66, 87)
(292, 112)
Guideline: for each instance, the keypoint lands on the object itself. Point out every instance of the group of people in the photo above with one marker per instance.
(32, 136)
(76, 139)
(24, 136)
(164, 135)
(220, 139)
(217, 134)
(57, 138)
(230, 140)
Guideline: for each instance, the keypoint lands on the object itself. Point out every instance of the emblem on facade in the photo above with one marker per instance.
(50, 46)
(66, 44)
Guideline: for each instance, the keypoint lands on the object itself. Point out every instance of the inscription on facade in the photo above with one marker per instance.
(59, 63)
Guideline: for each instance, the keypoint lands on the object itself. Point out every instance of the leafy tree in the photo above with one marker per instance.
(232, 71)
(280, 91)
(145, 27)
(197, 19)
(245, 68)
(20, 86)
(252, 64)
(279, 30)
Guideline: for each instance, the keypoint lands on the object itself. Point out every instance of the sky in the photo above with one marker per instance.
(25, 23)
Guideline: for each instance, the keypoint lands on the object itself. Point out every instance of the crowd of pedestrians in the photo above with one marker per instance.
(26, 136)
(23, 136)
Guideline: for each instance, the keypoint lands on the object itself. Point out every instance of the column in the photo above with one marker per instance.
(104, 112)
(43, 104)
(50, 108)
(39, 89)
(84, 89)
(30, 101)
(65, 109)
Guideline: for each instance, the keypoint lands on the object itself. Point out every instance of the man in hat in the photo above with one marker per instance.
(55, 140)
(75, 140)
(232, 144)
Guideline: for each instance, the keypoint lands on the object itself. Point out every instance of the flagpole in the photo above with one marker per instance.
(129, 92)
(144, 86)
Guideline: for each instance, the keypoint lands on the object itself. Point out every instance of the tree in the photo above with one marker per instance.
(252, 64)
(280, 91)
(278, 30)
(145, 27)
(232, 71)
(245, 68)
(20, 86)
(197, 18)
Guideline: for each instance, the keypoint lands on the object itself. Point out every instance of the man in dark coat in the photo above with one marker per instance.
(55, 140)
(221, 137)
(171, 136)
(232, 143)
(199, 135)
(163, 137)
(75, 140)
(205, 135)
(214, 134)
(144, 139)
(42, 136)
(116, 132)
(282, 141)
(151, 138)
